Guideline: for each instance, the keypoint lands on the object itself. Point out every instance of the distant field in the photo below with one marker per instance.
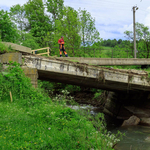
(106, 48)
(106, 52)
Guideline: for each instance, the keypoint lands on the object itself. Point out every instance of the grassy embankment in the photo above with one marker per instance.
(33, 121)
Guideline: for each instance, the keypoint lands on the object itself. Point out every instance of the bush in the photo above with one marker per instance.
(13, 79)
(97, 94)
(4, 48)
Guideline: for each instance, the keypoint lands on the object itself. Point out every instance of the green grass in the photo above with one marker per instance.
(35, 121)
(106, 52)
(106, 48)
(46, 126)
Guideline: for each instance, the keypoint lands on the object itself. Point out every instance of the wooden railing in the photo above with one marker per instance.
(48, 51)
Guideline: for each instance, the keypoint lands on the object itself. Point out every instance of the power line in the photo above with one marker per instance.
(104, 3)
(114, 2)
(106, 6)
(144, 10)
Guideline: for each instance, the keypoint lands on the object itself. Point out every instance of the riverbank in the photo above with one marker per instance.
(32, 120)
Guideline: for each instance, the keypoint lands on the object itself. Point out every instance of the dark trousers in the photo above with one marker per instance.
(62, 49)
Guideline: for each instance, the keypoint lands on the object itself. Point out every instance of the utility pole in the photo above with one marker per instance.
(134, 9)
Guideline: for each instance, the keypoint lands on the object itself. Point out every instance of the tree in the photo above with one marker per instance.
(69, 27)
(29, 41)
(55, 7)
(39, 22)
(17, 13)
(8, 30)
(88, 32)
(119, 41)
(109, 42)
(113, 43)
(143, 39)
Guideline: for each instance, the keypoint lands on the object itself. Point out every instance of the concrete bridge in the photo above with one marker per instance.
(58, 70)
(77, 71)
(131, 96)
(54, 69)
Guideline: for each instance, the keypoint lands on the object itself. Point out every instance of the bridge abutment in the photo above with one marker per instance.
(123, 105)
(31, 73)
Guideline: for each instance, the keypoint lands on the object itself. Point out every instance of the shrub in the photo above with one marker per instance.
(4, 48)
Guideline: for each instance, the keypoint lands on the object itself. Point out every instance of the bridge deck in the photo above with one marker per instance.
(110, 61)
(85, 75)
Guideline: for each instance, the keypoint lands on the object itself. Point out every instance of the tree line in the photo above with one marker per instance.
(39, 23)
(125, 48)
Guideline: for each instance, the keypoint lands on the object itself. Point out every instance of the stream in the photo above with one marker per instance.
(136, 137)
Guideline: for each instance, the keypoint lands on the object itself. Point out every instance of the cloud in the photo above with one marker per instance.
(147, 18)
(112, 17)
(126, 28)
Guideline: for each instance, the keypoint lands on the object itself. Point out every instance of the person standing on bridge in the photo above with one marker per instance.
(62, 47)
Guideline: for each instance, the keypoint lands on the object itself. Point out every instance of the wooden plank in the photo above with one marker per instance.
(39, 49)
(48, 51)
(42, 53)
(46, 48)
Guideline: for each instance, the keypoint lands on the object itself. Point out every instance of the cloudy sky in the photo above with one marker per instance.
(112, 17)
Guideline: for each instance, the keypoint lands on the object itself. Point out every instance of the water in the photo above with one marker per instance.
(136, 138)
(92, 110)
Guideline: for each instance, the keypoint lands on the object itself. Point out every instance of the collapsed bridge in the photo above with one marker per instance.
(69, 72)
(77, 71)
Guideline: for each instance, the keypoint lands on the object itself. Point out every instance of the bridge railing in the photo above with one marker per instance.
(46, 48)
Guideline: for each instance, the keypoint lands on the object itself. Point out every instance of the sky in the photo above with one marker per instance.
(112, 17)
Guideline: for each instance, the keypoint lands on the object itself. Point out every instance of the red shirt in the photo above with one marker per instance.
(60, 40)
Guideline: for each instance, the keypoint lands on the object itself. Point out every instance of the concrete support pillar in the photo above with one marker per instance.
(32, 73)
